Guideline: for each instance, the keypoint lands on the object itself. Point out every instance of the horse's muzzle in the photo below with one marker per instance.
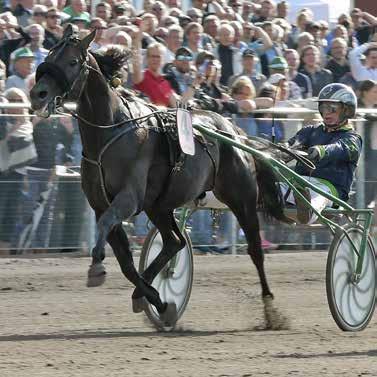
(43, 96)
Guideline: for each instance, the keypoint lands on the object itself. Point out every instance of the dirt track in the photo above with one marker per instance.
(52, 325)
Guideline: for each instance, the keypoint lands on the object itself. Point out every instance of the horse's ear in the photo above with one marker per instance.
(87, 40)
(68, 31)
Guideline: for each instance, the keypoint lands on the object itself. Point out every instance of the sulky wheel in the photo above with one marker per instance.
(174, 282)
(351, 300)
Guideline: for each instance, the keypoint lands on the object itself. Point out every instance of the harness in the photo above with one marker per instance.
(166, 120)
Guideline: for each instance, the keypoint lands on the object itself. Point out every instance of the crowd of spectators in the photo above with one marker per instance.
(230, 56)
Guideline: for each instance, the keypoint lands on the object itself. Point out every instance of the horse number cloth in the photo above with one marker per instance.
(185, 132)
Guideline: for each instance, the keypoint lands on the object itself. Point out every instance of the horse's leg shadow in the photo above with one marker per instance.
(172, 241)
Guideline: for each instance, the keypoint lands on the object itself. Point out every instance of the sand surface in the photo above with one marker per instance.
(53, 325)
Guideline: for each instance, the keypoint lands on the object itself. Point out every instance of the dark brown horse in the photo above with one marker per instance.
(127, 165)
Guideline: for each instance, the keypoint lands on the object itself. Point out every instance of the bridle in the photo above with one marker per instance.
(73, 91)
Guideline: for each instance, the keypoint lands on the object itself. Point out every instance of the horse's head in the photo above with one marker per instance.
(63, 74)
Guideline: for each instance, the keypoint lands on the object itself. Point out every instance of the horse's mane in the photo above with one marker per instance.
(112, 60)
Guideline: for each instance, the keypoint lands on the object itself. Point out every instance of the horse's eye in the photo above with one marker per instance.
(74, 62)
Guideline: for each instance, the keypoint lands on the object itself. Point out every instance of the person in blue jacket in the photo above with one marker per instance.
(333, 146)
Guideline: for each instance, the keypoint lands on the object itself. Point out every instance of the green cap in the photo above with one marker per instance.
(278, 62)
(23, 52)
(81, 17)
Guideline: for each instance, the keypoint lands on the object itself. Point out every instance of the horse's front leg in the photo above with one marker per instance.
(97, 271)
(110, 228)
(122, 207)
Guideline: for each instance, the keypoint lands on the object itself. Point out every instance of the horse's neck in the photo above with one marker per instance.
(96, 101)
(96, 105)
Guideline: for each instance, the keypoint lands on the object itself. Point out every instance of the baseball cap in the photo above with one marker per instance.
(248, 52)
(23, 52)
(183, 53)
(278, 62)
(275, 78)
(82, 17)
(312, 25)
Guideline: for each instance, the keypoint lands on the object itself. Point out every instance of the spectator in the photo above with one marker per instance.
(168, 21)
(280, 66)
(282, 9)
(318, 76)
(173, 42)
(243, 94)
(338, 63)
(238, 43)
(161, 35)
(211, 26)
(17, 151)
(80, 21)
(150, 23)
(9, 43)
(77, 10)
(368, 99)
(39, 14)
(303, 17)
(265, 13)
(3, 75)
(159, 10)
(180, 73)
(367, 71)
(304, 39)
(280, 81)
(103, 10)
(211, 84)
(363, 23)
(302, 80)
(37, 35)
(150, 82)
(248, 70)
(53, 29)
(275, 50)
(226, 54)
(23, 10)
(195, 14)
(100, 26)
(192, 37)
(122, 38)
(23, 65)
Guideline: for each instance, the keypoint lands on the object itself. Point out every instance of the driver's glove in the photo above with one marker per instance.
(314, 153)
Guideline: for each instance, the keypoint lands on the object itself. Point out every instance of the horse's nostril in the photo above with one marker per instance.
(43, 94)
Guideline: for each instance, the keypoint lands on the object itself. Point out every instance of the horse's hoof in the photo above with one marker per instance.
(96, 275)
(170, 316)
(139, 304)
(274, 320)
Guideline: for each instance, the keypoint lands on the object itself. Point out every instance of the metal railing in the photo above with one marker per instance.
(57, 217)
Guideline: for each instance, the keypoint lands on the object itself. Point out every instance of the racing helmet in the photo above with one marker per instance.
(339, 93)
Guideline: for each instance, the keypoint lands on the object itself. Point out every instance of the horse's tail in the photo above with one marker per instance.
(270, 198)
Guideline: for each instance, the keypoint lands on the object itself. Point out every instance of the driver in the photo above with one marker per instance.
(333, 146)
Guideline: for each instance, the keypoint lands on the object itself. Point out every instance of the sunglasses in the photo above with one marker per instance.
(329, 107)
(53, 16)
(39, 14)
(184, 58)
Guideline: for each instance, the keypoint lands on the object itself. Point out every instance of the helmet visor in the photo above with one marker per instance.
(329, 107)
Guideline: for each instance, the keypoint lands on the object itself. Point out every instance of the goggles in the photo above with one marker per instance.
(329, 107)
(184, 58)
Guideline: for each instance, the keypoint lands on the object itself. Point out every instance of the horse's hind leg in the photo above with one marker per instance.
(250, 225)
(172, 241)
